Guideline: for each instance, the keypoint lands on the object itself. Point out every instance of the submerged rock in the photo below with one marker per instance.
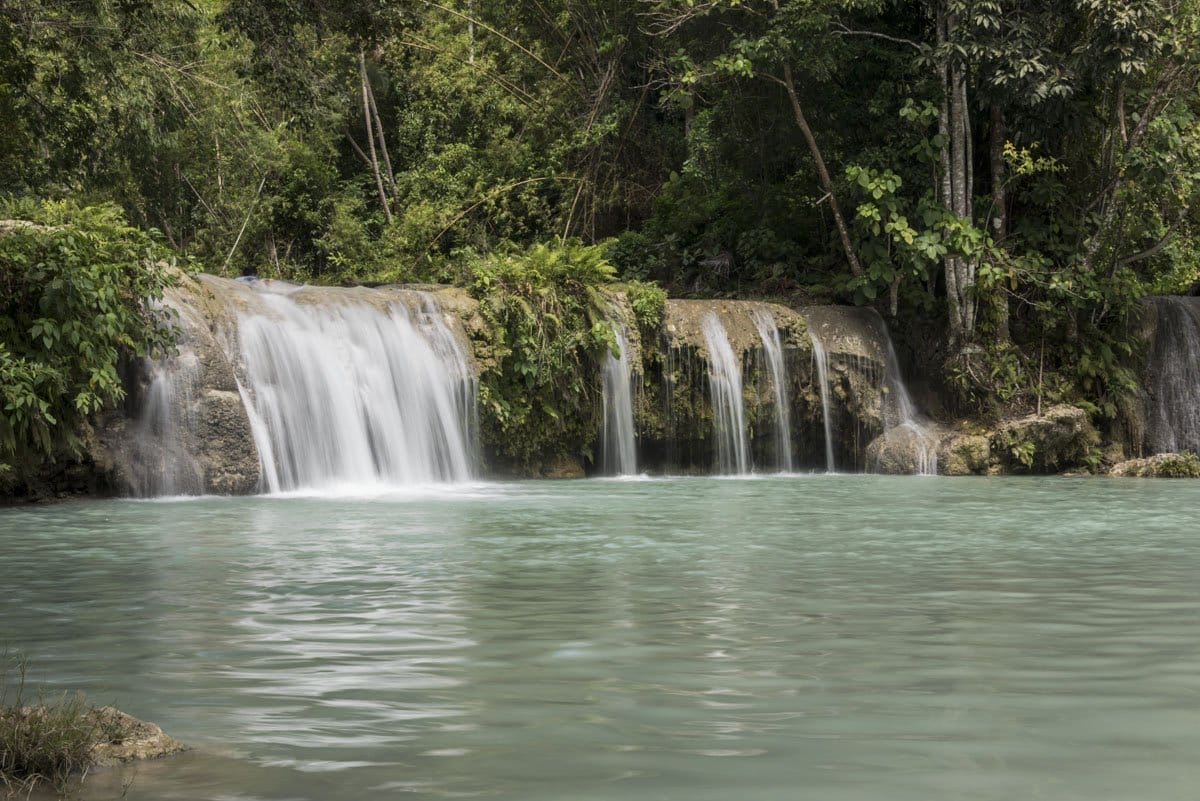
(1163, 465)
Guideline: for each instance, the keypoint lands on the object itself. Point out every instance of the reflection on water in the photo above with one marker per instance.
(831, 637)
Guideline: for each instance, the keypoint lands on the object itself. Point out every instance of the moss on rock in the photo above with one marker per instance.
(1061, 439)
(965, 455)
(1163, 465)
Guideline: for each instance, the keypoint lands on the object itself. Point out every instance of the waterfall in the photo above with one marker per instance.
(618, 447)
(904, 413)
(822, 364)
(350, 394)
(725, 387)
(768, 332)
(160, 458)
(1173, 408)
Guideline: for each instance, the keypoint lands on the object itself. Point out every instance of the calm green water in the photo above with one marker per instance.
(819, 637)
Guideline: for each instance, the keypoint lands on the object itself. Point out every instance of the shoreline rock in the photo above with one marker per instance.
(1162, 465)
(130, 739)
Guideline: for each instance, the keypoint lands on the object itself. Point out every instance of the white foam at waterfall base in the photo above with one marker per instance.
(768, 332)
(1173, 416)
(822, 364)
(345, 397)
(725, 388)
(618, 455)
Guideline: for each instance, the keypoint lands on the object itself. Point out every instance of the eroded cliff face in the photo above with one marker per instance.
(675, 412)
(188, 423)
(856, 350)
(1164, 415)
(186, 431)
(189, 426)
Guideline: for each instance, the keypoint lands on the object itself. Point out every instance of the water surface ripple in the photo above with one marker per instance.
(828, 637)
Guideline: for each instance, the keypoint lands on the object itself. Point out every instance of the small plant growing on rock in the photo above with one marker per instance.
(1179, 465)
(50, 741)
(1023, 453)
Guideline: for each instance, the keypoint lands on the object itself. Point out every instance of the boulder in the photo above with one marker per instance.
(965, 455)
(904, 450)
(1061, 439)
(128, 739)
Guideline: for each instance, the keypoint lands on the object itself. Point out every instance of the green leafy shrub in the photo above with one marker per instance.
(78, 290)
(548, 331)
(649, 303)
(635, 256)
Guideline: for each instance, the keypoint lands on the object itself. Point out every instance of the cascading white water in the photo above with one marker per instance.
(725, 388)
(1173, 413)
(618, 455)
(822, 364)
(160, 460)
(904, 413)
(768, 332)
(346, 394)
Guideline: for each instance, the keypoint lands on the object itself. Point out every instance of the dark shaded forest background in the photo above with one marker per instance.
(1003, 179)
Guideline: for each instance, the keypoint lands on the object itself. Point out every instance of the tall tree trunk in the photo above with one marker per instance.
(367, 118)
(789, 84)
(471, 31)
(958, 182)
(999, 223)
(946, 183)
(389, 174)
(967, 267)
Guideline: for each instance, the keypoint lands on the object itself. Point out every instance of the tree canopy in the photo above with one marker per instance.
(1009, 172)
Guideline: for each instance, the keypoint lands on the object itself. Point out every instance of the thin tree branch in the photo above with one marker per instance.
(842, 30)
(245, 222)
(1154, 249)
(508, 39)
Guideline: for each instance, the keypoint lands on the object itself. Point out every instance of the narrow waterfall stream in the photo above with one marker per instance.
(159, 442)
(725, 387)
(904, 413)
(352, 395)
(618, 455)
(768, 332)
(1173, 411)
(821, 359)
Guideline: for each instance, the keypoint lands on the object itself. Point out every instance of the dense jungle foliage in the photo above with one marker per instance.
(1004, 177)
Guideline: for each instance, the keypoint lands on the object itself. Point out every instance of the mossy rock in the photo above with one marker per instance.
(1162, 465)
(901, 451)
(562, 468)
(965, 455)
(1061, 439)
